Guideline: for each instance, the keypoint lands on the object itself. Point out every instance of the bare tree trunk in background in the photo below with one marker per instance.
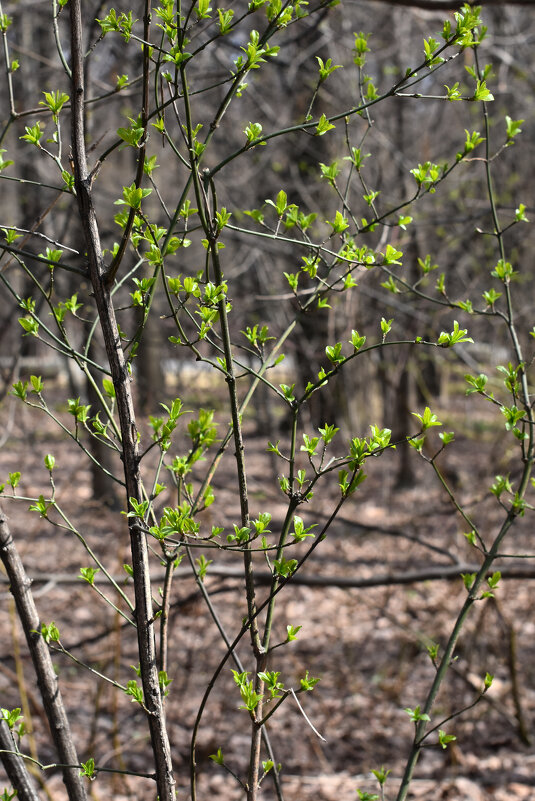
(103, 488)
(398, 381)
(149, 368)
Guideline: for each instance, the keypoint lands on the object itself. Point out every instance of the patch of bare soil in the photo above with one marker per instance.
(367, 644)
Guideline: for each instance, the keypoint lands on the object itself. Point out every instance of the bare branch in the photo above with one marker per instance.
(433, 572)
(451, 5)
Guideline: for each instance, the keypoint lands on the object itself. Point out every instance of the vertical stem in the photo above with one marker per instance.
(9, 74)
(447, 657)
(125, 239)
(212, 235)
(523, 730)
(507, 286)
(258, 650)
(240, 668)
(15, 767)
(284, 533)
(129, 437)
(239, 452)
(166, 605)
(231, 647)
(528, 458)
(47, 679)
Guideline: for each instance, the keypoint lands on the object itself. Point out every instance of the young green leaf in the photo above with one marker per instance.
(88, 768)
(416, 715)
(381, 775)
(323, 126)
(326, 68)
(427, 419)
(218, 757)
(88, 574)
(457, 335)
(444, 739)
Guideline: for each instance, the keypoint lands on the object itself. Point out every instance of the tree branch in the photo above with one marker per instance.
(452, 5)
(47, 679)
(433, 572)
(15, 767)
(125, 409)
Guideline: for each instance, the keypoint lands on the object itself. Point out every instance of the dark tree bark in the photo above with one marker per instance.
(15, 766)
(47, 679)
(152, 698)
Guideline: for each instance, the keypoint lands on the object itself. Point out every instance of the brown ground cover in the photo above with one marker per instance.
(367, 644)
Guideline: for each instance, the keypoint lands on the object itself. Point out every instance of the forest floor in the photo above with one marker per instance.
(367, 644)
